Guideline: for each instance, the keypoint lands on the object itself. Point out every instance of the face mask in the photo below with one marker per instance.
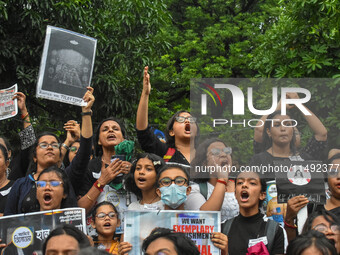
(173, 195)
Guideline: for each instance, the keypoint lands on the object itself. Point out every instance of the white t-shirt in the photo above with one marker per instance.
(229, 208)
(154, 206)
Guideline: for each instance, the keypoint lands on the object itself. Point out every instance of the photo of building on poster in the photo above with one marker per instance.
(66, 66)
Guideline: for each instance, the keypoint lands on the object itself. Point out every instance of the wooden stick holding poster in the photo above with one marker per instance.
(66, 66)
(8, 107)
(197, 225)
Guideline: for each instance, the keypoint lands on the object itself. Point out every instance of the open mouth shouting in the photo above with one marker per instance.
(107, 225)
(141, 180)
(111, 137)
(187, 128)
(47, 198)
(244, 196)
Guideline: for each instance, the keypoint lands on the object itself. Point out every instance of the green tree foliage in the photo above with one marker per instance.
(305, 42)
(128, 39)
(213, 39)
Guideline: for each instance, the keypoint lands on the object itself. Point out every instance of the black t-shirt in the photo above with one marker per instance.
(150, 143)
(245, 228)
(336, 211)
(3, 195)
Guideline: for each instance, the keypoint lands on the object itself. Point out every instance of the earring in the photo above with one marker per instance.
(8, 170)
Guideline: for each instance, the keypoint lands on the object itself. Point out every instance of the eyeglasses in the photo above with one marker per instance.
(180, 181)
(323, 228)
(333, 172)
(42, 184)
(181, 119)
(103, 215)
(73, 149)
(217, 151)
(44, 145)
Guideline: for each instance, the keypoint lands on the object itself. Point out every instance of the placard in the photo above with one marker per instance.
(66, 66)
(301, 178)
(197, 225)
(8, 107)
(26, 233)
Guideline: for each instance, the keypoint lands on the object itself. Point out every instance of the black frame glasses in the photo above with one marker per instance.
(180, 181)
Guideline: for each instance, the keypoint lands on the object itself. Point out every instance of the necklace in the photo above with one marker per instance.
(142, 201)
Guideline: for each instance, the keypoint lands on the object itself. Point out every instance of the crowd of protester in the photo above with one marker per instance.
(86, 167)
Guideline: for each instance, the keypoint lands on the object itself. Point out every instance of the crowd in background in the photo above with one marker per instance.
(49, 174)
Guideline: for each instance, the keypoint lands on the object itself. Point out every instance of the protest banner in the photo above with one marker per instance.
(8, 107)
(302, 178)
(26, 233)
(66, 66)
(197, 225)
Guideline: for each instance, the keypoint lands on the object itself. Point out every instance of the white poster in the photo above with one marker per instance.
(8, 107)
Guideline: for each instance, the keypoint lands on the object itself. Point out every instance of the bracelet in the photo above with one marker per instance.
(89, 198)
(98, 186)
(24, 116)
(65, 146)
(86, 113)
(290, 226)
(224, 182)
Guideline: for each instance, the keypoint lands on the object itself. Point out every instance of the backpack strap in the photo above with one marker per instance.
(270, 231)
(204, 189)
(168, 155)
(226, 226)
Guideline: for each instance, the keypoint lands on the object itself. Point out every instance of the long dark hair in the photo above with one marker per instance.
(130, 183)
(330, 217)
(98, 148)
(170, 140)
(310, 239)
(32, 168)
(267, 141)
(66, 160)
(4, 152)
